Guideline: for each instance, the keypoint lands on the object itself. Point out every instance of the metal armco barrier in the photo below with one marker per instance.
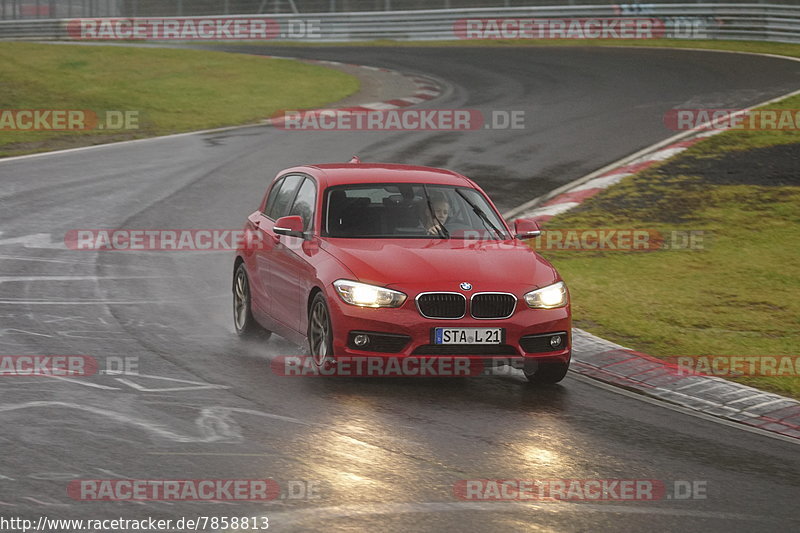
(757, 22)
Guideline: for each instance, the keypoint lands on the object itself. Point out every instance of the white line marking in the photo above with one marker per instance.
(23, 258)
(23, 331)
(15, 301)
(771, 402)
(74, 278)
(680, 409)
(156, 429)
(379, 106)
(662, 155)
(602, 183)
(690, 385)
(411, 100)
(210, 435)
(48, 504)
(83, 382)
(554, 209)
(196, 385)
(35, 240)
(746, 398)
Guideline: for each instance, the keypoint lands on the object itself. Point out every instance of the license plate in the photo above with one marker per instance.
(468, 335)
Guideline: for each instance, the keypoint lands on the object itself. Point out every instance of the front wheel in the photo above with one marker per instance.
(320, 332)
(243, 321)
(547, 373)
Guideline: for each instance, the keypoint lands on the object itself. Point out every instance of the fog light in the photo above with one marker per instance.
(361, 340)
(555, 341)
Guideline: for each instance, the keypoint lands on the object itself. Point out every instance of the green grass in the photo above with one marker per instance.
(744, 139)
(173, 90)
(737, 296)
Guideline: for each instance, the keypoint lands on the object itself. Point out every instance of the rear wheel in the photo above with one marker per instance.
(547, 373)
(243, 321)
(320, 332)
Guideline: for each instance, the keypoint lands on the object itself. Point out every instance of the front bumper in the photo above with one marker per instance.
(403, 332)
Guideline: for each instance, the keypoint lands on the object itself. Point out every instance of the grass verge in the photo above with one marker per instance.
(734, 295)
(170, 90)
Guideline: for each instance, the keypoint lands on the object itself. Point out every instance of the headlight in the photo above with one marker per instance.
(549, 297)
(364, 295)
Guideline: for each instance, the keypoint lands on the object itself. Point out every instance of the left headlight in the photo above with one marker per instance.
(364, 295)
(549, 297)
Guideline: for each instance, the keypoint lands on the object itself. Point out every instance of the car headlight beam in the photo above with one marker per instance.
(549, 297)
(364, 295)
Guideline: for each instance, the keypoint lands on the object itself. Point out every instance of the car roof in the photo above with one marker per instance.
(353, 173)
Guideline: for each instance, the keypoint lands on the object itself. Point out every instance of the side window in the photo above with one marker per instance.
(281, 197)
(304, 203)
(272, 195)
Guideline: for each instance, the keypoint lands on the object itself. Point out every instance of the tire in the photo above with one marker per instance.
(243, 321)
(320, 331)
(547, 373)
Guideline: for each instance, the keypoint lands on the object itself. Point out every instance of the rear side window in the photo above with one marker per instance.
(281, 196)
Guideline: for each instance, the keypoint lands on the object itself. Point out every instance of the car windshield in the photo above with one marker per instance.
(410, 210)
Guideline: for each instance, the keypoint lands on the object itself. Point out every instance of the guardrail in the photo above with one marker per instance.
(49, 9)
(759, 22)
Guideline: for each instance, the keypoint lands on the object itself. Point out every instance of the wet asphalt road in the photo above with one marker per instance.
(377, 454)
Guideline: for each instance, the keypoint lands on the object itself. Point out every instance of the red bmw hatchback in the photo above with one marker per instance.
(397, 261)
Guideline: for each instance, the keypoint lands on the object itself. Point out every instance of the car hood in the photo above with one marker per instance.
(441, 264)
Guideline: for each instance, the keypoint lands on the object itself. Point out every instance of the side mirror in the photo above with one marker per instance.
(526, 228)
(291, 226)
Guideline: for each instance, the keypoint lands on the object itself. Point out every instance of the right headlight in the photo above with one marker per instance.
(364, 295)
(549, 297)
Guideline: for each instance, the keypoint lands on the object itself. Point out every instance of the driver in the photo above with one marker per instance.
(434, 222)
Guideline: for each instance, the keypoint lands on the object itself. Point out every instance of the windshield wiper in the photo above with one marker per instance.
(485, 219)
(440, 229)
